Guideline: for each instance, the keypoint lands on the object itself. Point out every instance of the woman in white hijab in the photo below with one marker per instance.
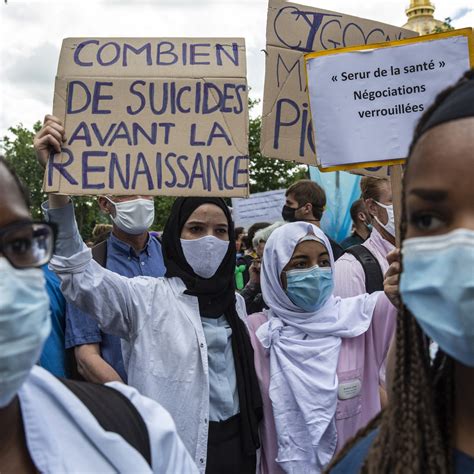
(307, 391)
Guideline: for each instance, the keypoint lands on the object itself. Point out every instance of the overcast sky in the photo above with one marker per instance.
(31, 33)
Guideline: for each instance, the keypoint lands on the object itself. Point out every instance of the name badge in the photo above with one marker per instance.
(349, 389)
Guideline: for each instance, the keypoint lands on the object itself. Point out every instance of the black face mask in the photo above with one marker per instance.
(288, 213)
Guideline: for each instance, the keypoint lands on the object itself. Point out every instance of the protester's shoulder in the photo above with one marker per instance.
(463, 463)
(255, 320)
(349, 241)
(76, 399)
(172, 287)
(149, 409)
(50, 277)
(40, 378)
(155, 240)
(337, 250)
(352, 462)
(347, 265)
(168, 451)
(53, 287)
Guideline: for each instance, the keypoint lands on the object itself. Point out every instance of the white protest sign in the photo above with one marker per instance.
(365, 102)
(259, 207)
(152, 116)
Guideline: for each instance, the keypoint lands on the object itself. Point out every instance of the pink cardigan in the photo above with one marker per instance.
(359, 363)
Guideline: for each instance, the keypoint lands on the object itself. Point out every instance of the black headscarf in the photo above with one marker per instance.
(216, 297)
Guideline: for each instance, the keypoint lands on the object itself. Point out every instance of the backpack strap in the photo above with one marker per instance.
(99, 253)
(114, 412)
(372, 270)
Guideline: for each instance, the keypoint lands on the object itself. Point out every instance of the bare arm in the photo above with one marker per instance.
(92, 366)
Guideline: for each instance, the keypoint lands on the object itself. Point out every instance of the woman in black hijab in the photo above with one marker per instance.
(199, 247)
(183, 338)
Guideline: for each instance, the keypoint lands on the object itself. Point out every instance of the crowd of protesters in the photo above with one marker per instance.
(219, 350)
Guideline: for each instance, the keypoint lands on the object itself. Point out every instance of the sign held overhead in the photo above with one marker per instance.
(156, 116)
(292, 31)
(365, 101)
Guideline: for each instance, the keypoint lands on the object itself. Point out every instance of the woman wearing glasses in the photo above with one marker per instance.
(45, 425)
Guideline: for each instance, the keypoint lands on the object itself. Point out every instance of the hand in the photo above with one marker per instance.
(392, 278)
(254, 272)
(48, 139)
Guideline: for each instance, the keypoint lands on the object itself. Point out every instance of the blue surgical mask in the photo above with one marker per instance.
(437, 286)
(310, 288)
(25, 324)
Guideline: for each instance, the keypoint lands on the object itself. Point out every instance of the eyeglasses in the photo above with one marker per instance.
(27, 244)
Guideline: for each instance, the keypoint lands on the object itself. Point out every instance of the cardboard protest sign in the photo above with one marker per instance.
(151, 116)
(293, 30)
(365, 101)
(259, 207)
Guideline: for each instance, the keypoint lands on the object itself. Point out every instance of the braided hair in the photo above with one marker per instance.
(415, 430)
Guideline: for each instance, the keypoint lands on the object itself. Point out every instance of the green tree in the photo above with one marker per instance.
(446, 26)
(20, 154)
(267, 174)
(162, 211)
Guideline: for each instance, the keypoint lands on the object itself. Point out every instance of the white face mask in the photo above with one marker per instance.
(135, 216)
(25, 324)
(390, 225)
(205, 255)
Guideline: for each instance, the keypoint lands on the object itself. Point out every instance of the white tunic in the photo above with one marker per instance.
(63, 436)
(164, 346)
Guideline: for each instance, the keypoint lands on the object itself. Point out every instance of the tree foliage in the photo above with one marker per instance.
(268, 174)
(20, 154)
(446, 26)
(265, 175)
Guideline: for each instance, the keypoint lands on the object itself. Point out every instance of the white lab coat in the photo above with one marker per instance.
(164, 347)
(63, 436)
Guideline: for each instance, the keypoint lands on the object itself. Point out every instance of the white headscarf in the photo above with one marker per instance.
(304, 352)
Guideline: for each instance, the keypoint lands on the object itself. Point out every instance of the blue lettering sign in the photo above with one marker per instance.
(87, 169)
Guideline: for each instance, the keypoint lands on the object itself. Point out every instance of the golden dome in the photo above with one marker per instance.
(420, 17)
